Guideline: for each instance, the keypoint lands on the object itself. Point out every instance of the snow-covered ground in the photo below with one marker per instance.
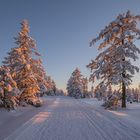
(10, 121)
(64, 118)
(132, 111)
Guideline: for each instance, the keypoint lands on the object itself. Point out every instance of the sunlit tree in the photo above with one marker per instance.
(114, 64)
(21, 63)
(9, 93)
(50, 85)
(40, 75)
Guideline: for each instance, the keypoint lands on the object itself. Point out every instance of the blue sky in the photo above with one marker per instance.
(62, 30)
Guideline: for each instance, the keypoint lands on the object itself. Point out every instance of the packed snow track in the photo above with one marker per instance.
(70, 119)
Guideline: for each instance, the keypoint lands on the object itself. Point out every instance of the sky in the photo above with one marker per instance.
(62, 30)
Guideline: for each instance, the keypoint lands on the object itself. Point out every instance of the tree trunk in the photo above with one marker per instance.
(123, 95)
(123, 84)
(123, 89)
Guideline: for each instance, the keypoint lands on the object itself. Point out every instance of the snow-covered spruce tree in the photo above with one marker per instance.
(75, 85)
(9, 93)
(50, 85)
(20, 61)
(101, 91)
(85, 85)
(59, 92)
(109, 91)
(69, 90)
(96, 92)
(113, 65)
(40, 74)
(86, 93)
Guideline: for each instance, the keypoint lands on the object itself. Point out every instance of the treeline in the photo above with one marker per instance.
(132, 94)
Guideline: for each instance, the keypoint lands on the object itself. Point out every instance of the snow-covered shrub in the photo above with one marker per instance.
(100, 92)
(9, 93)
(112, 102)
(42, 91)
(88, 94)
(37, 102)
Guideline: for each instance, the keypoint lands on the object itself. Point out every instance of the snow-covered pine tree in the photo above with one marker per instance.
(40, 74)
(113, 65)
(109, 91)
(53, 86)
(128, 95)
(9, 93)
(75, 85)
(50, 85)
(102, 91)
(59, 92)
(136, 93)
(20, 62)
(69, 90)
(96, 92)
(85, 87)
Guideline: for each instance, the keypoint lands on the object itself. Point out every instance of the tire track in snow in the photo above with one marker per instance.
(32, 125)
(70, 119)
(123, 131)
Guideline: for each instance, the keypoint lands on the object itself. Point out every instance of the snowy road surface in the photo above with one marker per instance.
(70, 119)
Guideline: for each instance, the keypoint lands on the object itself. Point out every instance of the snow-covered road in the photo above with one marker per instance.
(71, 119)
